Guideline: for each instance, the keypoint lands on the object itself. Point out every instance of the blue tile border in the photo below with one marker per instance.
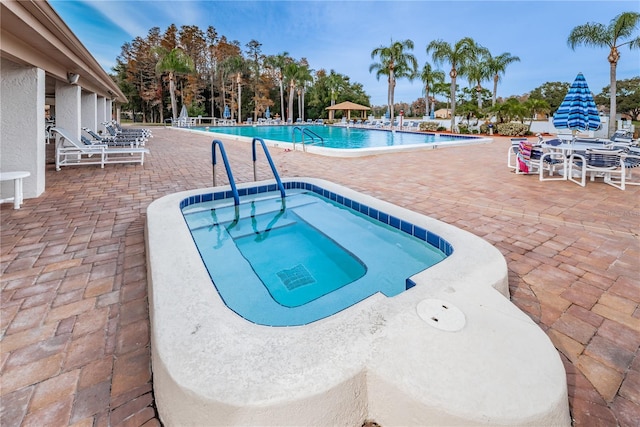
(400, 224)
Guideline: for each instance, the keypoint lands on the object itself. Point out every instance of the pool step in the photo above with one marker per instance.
(226, 214)
(260, 225)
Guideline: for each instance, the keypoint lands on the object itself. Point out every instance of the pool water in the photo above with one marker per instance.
(292, 263)
(296, 263)
(335, 136)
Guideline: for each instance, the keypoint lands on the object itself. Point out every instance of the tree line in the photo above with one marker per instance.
(468, 58)
(213, 76)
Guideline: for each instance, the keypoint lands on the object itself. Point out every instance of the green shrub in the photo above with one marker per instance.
(512, 129)
(430, 126)
(484, 128)
(196, 110)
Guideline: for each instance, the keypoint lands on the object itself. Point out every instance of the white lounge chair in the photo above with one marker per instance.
(115, 130)
(72, 152)
(115, 141)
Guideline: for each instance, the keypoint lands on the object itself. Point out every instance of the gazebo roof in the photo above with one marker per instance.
(348, 105)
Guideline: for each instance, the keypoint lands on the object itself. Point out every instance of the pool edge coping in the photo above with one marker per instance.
(346, 153)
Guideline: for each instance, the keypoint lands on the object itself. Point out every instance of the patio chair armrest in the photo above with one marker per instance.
(618, 145)
(578, 156)
(605, 150)
(630, 160)
(553, 155)
(87, 148)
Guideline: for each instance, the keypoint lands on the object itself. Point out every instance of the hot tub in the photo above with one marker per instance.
(451, 349)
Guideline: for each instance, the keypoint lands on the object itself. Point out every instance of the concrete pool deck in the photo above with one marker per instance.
(75, 344)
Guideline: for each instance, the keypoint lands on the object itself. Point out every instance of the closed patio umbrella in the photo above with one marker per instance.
(267, 114)
(578, 110)
(183, 113)
(227, 113)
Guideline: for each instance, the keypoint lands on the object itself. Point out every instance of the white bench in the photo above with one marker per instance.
(17, 177)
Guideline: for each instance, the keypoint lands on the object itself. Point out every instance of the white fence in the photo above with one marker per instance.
(547, 126)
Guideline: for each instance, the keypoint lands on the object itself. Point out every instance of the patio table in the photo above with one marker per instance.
(568, 148)
(17, 177)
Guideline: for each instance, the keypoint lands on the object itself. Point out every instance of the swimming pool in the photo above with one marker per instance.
(447, 351)
(340, 140)
(310, 260)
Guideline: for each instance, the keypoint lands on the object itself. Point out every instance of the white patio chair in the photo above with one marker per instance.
(630, 157)
(532, 159)
(512, 154)
(608, 164)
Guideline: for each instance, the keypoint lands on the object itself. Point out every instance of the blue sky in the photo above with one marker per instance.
(340, 35)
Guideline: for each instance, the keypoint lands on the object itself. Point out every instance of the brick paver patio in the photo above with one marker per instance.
(75, 324)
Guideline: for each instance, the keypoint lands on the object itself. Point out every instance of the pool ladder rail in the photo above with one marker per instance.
(232, 182)
(315, 138)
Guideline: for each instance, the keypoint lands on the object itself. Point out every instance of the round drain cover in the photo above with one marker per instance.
(441, 315)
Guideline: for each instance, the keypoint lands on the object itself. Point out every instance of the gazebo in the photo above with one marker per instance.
(347, 105)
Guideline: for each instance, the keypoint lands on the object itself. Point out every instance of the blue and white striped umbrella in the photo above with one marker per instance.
(226, 114)
(267, 113)
(578, 110)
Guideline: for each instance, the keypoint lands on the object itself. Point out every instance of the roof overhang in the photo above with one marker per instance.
(348, 105)
(33, 34)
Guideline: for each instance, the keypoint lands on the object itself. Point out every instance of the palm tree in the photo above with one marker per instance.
(239, 87)
(430, 78)
(230, 69)
(509, 110)
(278, 62)
(212, 40)
(173, 61)
(457, 55)
(599, 35)
(394, 63)
(498, 65)
(535, 106)
(442, 88)
(336, 83)
(255, 65)
(477, 71)
(291, 73)
(303, 78)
